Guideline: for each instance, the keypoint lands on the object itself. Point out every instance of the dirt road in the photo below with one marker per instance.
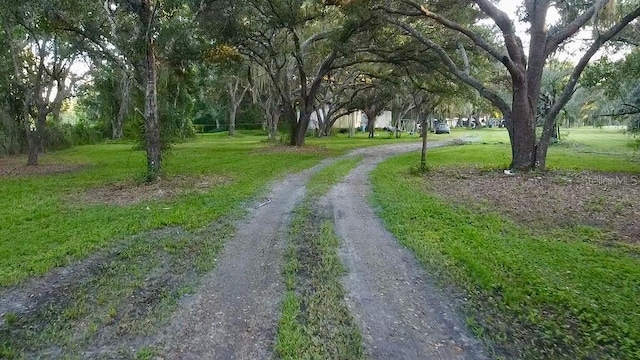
(235, 311)
(401, 313)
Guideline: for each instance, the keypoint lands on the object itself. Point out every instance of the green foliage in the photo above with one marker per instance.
(615, 91)
(249, 118)
(63, 135)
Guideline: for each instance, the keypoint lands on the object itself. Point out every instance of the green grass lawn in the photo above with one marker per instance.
(532, 295)
(583, 148)
(42, 226)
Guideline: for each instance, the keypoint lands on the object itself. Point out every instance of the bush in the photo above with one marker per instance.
(85, 134)
(61, 136)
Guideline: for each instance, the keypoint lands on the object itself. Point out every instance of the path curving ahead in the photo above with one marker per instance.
(235, 312)
(401, 314)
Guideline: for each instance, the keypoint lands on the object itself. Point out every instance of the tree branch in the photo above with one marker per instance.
(504, 23)
(561, 35)
(582, 64)
(473, 36)
(485, 92)
(315, 37)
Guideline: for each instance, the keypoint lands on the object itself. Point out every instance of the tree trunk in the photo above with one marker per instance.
(423, 155)
(543, 146)
(319, 128)
(232, 119)
(326, 128)
(153, 142)
(29, 132)
(33, 141)
(397, 123)
(301, 128)
(352, 125)
(35, 136)
(370, 112)
(123, 109)
(235, 99)
(152, 124)
(273, 124)
(290, 115)
(522, 131)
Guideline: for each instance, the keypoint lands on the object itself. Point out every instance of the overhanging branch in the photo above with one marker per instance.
(584, 60)
(485, 92)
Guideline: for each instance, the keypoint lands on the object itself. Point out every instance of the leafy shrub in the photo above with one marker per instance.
(61, 136)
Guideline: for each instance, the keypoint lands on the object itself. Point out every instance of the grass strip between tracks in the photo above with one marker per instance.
(315, 322)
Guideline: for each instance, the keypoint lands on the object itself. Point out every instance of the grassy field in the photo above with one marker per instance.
(552, 295)
(48, 221)
(51, 220)
(580, 149)
(139, 258)
(43, 226)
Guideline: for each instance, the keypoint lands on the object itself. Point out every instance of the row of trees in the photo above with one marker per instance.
(294, 58)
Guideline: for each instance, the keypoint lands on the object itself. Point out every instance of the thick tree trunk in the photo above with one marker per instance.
(152, 123)
(549, 131)
(301, 128)
(370, 112)
(522, 131)
(290, 115)
(35, 137)
(33, 141)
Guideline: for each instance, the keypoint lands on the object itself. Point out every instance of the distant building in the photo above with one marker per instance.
(356, 119)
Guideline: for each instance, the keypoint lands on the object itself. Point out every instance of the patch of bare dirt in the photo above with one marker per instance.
(609, 201)
(129, 193)
(14, 167)
(287, 149)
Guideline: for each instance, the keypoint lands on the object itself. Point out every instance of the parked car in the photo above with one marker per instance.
(443, 129)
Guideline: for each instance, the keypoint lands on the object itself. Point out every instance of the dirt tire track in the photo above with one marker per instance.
(402, 314)
(235, 311)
